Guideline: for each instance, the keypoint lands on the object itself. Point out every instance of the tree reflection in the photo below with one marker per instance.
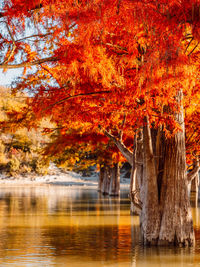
(53, 223)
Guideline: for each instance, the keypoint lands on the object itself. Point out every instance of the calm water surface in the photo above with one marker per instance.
(62, 226)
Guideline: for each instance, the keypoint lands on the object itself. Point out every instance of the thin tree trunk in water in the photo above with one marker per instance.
(106, 180)
(136, 174)
(160, 158)
(134, 192)
(150, 216)
(115, 181)
(194, 190)
(194, 199)
(195, 184)
(101, 177)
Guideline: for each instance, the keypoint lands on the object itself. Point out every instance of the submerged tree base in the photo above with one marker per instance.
(185, 243)
(188, 242)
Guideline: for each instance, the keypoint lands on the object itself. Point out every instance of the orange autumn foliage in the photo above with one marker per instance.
(98, 60)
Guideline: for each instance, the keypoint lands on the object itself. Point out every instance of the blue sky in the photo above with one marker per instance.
(7, 78)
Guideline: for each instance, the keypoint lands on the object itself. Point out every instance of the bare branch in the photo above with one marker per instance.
(72, 26)
(13, 48)
(122, 148)
(34, 35)
(135, 200)
(191, 175)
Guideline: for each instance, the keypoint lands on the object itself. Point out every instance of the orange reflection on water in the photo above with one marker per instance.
(61, 226)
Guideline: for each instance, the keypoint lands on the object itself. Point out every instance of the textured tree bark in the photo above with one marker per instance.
(160, 158)
(136, 174)
(101, 177)
(134, 191)
(150, 216)
(122, 148)
(195, 172)
(166, 217)
(195, 184)
(194, 177)
(106, 181)
(159, 168)
(115, 181)
(176, 221)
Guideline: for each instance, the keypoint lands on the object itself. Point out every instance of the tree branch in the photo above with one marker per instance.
(121, 131)
(35, 35)
(78, 95)
(117, 47)
(191, 175)
(193, 49)
(118, 6)
(13, 48)
(135, 200)
(52, 75)
(28, 64)
(122, 148)
(189, 44)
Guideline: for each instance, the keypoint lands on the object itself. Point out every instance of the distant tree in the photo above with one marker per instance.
(20, 146)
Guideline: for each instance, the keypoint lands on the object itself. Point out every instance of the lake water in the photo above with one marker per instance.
(62, 226)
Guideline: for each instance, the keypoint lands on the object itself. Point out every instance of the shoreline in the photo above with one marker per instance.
(67, 179)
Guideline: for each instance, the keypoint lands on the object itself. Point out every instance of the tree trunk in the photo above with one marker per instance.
(150, 216)
(134, 191)
(193, 180)
(101, 177)
(106, 181)
(176, 223)
(195, 184)
(109, 180)
(176, 220)
(122, 148)
(115, 181)
(136, 174)
(194, 189)
(165, 217)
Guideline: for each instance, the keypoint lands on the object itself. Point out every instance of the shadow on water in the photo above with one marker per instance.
(61, 226)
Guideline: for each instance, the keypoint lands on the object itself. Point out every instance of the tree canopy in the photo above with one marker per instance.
(119, 68)
(96, 64)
